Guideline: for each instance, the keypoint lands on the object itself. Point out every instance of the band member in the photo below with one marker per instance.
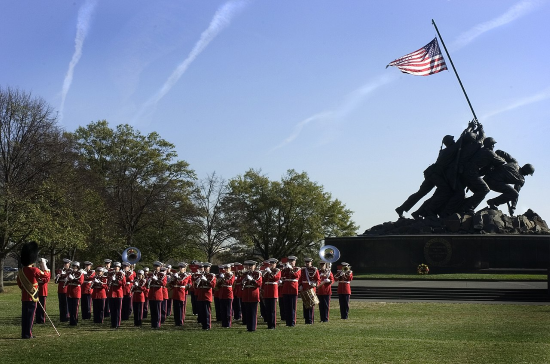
(108, 269)
(324, 290)
(225, 283)
(310, 280)
(146, 304)
(99, 294)
(42, 291)
(138, 292)
(280, 292)
(216, 292)
(60, 280)
(194, 268)
(74, 292)
(155, 284)
(344, 277)
(263, 315)
(129, 275)
(116, 282)
(291, 276)
(203, 290)
(27, 280)
(270, 291)
(237, 271)
(89, 275)
(164, 304)
(179, 284)
(168, 292)
(251, 283)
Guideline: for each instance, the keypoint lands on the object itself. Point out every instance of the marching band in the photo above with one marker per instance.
(236, 290)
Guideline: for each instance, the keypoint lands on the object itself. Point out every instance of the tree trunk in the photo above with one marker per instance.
(1, 275)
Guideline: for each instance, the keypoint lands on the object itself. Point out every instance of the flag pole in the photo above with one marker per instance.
(456, 73)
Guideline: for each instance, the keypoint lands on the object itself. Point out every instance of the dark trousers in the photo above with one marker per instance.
(290, 308)
(63, 307)
(28, 308)
(126, 308)
(107, 311)
(194, 306)
(477, 185)
(155, 307)
(86, 306)
(73, 310)
(270, 312)
(116, 311)
(282, 308)
(205, 314)
(40, 316)
(262, 309)
(324, 306)
(217, 309)
(225, 311)
(237, 308)
(99, 310)
(250, 310)
(146, 307)
(309, 315)
(179, 312)
(168, 307)
(138, 312)
(344, 305)
(508, 193)
(163, 311)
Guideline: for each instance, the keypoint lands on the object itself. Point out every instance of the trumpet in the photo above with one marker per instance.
(343, 272)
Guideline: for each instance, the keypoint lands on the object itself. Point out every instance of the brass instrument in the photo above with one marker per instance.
(118, 275)
(76, 276)
(329, 253)
(140, 284)
(254, 275)
(63, 272)
(131, 255)
(343, 272)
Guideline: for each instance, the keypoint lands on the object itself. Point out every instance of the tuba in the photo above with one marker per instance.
(131, 255)
(329, 254)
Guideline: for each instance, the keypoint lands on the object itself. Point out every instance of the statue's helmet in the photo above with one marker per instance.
(489, 142)
(527, 169)
(469, 137)
(448, 139)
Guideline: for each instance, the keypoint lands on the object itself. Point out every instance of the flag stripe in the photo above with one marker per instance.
(423, 62)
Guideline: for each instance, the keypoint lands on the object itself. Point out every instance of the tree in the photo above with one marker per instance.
(32, 149)
(291, 216)
(213, 224)
(136, 174)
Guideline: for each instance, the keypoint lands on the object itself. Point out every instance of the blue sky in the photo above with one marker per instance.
(275, 85)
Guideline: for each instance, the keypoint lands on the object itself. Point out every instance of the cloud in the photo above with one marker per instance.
(518, 10)
(350, 103)
(543, 95)
(220, 21)
(82, 27)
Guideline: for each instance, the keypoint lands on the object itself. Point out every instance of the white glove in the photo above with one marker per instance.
(154, 278)
(288, 266)
(176, 276)
(70, 277)
(203, 278)
(43, 264)
(222, 276)
(280, 281)
(97, 281)
(267, 270)
(327, 280)
(249, 277)
(136, 284)
(113, 278)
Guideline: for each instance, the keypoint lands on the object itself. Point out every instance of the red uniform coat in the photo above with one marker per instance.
(312, 274)
(325, 288)
(99, 290)
(74, 285)
(251, 288)
(155, 289)
(344, 280)
(139, 290)
(130, 276)
(226, 286)
(237, 286)
(179, 286)
(291, 277)
(33, 274)
(88, 280)
(43, 284)
(116, 287)
(270, 286)
(60, 275)
(203, 290)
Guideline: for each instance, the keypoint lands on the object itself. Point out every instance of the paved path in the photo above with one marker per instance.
(448, 284)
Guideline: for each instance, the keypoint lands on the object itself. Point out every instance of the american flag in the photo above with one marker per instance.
(423, 62)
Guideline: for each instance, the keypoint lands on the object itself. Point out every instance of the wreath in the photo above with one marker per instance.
(423, 269)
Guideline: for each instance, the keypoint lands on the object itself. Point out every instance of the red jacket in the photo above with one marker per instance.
(43, 284)
(88, 280)
(344, 282)
(99, 290)
(74, 285)
(251, 288)
(309, 275)
(60, 275)
(270, 284)
(139, 290)
(203, 290)
(130, 276)
(226, 286)
(325, 288)
(33, 274)
(116, 289)
(179, 286)
(155, 289)
(291, 277)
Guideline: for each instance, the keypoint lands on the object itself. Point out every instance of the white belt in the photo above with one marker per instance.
(290, 280)
(226, 285)
(179, 286)
(347, 282)
(271, 282)
(156, 286)
(74, 284)
(250, 287)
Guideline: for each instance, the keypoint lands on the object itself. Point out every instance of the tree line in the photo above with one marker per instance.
(93, 192)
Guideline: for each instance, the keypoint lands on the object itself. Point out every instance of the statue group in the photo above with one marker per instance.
(469, 163)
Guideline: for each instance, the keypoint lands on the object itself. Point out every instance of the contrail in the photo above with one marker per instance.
(348, 105)
(543, 95)
(221, 20)
(516, 11)
(82, 27)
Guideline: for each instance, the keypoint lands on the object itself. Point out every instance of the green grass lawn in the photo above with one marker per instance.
(375, 333)
(456, 276)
